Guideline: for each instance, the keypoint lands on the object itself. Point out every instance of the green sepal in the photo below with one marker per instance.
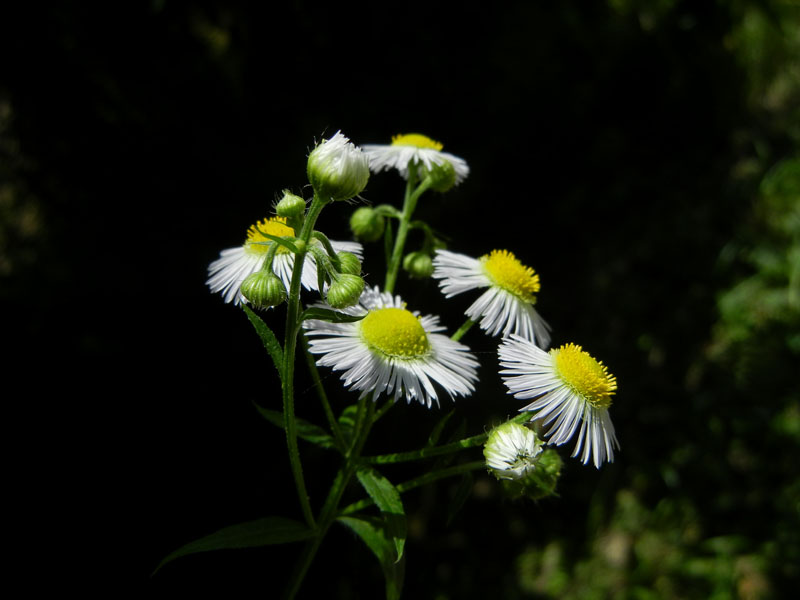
(305, 430)
(252, 534)
(268, 338)
(387, 499)
(373, 533)
(326, 314)
(281, 241)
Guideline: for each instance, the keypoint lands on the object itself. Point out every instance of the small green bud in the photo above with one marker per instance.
(290, 206)
(345, 290)
(300, 245)
(418, 264)
(263, 289)
(349, 263)
(443, 176)
(367, 224)
(337, 169)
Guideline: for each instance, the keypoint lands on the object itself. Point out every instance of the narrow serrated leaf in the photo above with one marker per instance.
(305, 430)
(373, 533)
(387, 499)
(252, 534)
(281, 241)
(268, 338)
(331, 316)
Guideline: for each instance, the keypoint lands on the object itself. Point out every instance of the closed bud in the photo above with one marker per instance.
(419, 264)
(263, 289)
(349, 263)
(290, 206)
(367, 224)
(345, 290)
(337, 169)
(442, 176)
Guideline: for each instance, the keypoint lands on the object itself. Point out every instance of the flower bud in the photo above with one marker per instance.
(337, 169)
(419, 264)
(349, 263)
(511, 450)
(367, 224)
(263, 289)
(345, 290)
(442, 175)
(290, 206)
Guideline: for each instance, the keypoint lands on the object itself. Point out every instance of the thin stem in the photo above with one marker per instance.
(290, 346)
(330, 510)
(462, 330)
(417, 482)
(323, 397)
(422, 453)
(409, 204)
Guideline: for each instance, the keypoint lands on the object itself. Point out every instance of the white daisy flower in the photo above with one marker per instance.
(571, 388)
(512, 450)
(393, 351)
(507, 305)
(225, 275)
(412, 150)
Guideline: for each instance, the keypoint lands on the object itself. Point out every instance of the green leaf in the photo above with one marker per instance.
(281, 241)
(387, 498)
(372, 531)
(253, 534)
(305, 430)
(332, 316)
(268, 338)
(347, 422)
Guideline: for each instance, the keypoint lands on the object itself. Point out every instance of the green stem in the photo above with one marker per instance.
(330, 509)
(418, 482)
(290, 346)
(462, 330)
(409, 204)
(323, 397)
(422, 453)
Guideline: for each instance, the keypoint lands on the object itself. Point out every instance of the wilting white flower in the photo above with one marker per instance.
(413, 150)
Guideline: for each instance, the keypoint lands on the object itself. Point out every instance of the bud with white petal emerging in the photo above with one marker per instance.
(337, 169)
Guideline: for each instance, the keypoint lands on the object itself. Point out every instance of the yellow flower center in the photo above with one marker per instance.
(395, 333)
(257, 243)
(506, 272)
(586, 376)
(415, 139)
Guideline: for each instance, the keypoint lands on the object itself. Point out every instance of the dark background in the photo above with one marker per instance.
(623, 149)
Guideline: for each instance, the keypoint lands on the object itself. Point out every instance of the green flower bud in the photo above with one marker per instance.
(337, 169)
(367, 224)
(443, 176)
(349, 263)
(263, 289)
(541, 482)
(418, 264)
(345, 290)
(290, 206)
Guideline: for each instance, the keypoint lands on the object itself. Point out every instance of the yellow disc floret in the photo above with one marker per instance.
(417, 140)
(587, 377)
(395, 333)
(257, 243)
(506, 272)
